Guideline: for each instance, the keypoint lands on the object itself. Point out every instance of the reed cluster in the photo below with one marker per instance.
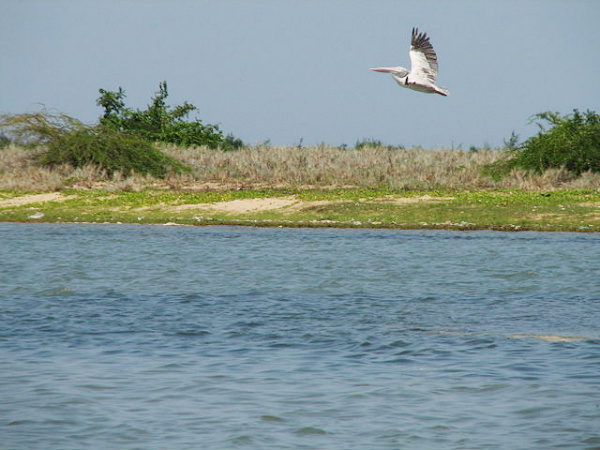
(319, 167)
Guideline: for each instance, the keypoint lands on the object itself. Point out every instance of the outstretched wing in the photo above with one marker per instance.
(423, 59)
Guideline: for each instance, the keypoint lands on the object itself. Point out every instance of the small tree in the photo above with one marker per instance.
(572, 142)
(161, 123)
(113, 104)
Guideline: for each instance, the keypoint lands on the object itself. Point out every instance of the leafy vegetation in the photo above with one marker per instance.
(162, 123)
(4, 141)
(69, 141)
(112, 150)
(122, 142)
(37, 129)
(374, 143)
(572, 142)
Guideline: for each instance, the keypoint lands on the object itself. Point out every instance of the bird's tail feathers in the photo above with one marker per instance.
(442, 91)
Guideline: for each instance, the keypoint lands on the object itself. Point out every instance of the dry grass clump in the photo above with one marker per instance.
(323, 165)
(17, 170)
(20, 170)
(409, 169)
(370, 167)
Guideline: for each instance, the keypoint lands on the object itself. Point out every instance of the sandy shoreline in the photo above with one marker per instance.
(501, 210)
(241, 206)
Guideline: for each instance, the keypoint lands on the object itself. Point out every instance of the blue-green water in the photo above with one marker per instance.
(154, 337)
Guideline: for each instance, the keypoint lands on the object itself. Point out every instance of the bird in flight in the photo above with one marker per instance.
(423, 67)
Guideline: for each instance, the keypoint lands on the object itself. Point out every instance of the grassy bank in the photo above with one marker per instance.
(313, 186)
(561, 210)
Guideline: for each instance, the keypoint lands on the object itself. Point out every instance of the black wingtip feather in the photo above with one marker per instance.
(419, 38)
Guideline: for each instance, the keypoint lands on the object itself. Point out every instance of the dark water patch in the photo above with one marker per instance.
(308, 431)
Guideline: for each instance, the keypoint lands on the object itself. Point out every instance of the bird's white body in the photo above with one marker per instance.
(424, 67)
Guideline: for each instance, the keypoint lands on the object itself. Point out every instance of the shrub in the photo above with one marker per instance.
(69, 141)
(35, 129)
(232, 143)
(4, 140)
(111, 150)
(375, 143)
(572, 142)
(162, 123)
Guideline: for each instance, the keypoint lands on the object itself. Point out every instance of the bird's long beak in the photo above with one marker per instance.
(385, 69)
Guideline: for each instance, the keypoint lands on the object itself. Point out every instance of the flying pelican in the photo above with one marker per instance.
(423, 67)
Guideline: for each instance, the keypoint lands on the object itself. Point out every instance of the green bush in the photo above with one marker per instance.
(4, 140)
(110, 149)
(374, 143)
(123, 141)
(572, 142)
(161, 123)
(69, 141)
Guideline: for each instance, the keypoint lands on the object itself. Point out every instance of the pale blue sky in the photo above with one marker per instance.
(285, 70)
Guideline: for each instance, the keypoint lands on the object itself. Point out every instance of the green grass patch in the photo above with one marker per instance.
(573, 211)
(503, 210)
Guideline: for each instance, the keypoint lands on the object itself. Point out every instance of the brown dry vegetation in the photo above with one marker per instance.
(322, 166)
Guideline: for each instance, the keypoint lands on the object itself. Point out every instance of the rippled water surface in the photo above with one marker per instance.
(153, 337)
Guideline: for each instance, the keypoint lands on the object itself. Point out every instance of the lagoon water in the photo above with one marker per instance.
(155, 337)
